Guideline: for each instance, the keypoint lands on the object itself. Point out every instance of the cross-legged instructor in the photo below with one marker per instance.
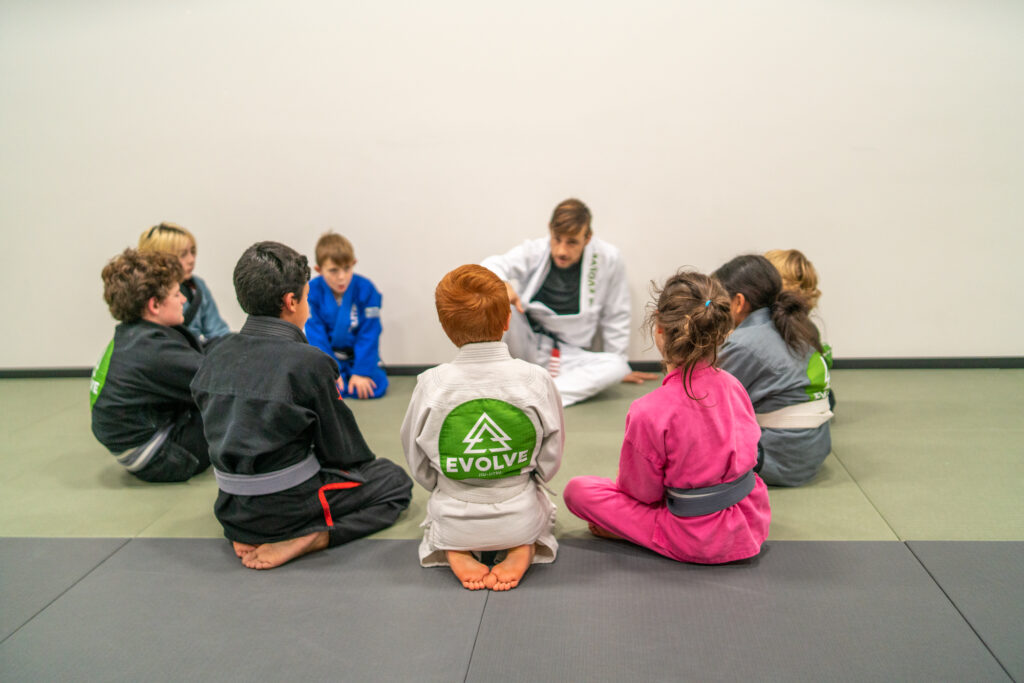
(563, 291)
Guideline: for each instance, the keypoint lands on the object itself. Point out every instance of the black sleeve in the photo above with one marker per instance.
(337, 439)
(171, 368)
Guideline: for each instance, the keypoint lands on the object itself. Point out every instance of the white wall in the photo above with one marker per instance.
(885, 139)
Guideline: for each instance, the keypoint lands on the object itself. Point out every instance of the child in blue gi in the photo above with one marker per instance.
(344, 318)
(201, 315)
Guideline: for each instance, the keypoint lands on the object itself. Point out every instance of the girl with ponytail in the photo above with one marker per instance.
(776, 353)
(686, 487)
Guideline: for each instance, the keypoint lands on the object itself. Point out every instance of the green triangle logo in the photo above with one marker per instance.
(486, 439)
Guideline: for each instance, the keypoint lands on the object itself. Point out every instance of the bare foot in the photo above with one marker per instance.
(242, 549)
(471, 573)
(509, 571)
(602, 533)
(270, 555)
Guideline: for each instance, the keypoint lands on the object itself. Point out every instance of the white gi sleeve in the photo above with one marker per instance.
(517, 264)
(615, 316)
(412, 426)
(552, 419)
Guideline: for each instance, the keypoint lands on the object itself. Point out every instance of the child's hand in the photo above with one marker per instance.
(363, 387)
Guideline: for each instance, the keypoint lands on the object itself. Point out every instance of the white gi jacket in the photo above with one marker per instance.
(604, 292)
(479, 432)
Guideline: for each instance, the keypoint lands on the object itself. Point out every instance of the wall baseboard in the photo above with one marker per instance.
(953, 363)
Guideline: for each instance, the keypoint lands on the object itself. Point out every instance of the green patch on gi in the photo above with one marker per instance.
(486, 439)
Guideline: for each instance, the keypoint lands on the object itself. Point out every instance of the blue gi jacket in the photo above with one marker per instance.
(207, 322)
(353, 325)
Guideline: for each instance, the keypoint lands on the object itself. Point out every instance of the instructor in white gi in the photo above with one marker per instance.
(564, 290)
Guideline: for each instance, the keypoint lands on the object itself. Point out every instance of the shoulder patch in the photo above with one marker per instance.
(486, 438)
(99, 375)
(372, 311)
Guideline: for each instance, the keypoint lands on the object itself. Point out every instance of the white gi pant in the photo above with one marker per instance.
(582, 373)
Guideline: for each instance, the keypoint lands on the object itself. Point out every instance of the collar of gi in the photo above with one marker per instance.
(266, 326)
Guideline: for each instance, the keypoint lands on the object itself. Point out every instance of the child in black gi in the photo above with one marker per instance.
(294, 472)
(142, 409)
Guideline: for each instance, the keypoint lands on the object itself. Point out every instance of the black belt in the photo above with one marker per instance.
(704, 501)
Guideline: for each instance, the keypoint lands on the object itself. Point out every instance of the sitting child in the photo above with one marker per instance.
(344, 318)
(798, 275)
(201, 315)
(776, 353)
(142, 410)
(294, 472)
(480, 431)
(686, 487)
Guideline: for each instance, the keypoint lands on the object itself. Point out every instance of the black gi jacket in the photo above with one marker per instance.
(267, 397)
(147, 383)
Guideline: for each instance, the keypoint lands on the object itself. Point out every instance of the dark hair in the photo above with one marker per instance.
(265, 273)
(132, 278)
(570, 217)
(693, 311)
(759, 282)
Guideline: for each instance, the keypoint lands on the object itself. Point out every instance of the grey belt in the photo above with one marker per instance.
(134, 459)
(269, 482)
(704, 501)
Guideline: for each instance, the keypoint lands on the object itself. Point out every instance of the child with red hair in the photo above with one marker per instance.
(480, 434)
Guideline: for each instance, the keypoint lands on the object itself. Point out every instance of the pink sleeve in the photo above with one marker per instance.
(641, 474)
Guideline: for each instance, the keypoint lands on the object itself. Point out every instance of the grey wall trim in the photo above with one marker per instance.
(1000, 362)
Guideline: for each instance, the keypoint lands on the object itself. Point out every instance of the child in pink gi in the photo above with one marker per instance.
(686, 487)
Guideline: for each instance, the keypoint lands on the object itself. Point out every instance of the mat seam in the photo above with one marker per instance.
(868, 498)
(476, 637)
(64, 592)
(958, 610)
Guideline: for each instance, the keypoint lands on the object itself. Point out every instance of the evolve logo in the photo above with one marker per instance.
(486, 439)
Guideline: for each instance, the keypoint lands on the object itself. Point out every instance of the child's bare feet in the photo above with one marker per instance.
(602, 533)
(270, 555)
(242, 549)
(471, 573)
(509, 571)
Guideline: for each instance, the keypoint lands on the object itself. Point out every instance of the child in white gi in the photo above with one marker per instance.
(479, 434)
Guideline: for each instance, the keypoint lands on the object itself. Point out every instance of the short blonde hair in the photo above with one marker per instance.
(333, 246)
(169, 238)
(797, 272)
(472, 305)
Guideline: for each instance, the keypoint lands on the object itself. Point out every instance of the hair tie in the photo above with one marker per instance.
(707, 303)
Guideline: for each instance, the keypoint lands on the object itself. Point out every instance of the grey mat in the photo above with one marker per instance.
(986, 583)
(185, 609)
(36, 571)
(803, 611)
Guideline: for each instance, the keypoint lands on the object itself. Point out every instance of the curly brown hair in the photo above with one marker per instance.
(692, 309)
(132, 278)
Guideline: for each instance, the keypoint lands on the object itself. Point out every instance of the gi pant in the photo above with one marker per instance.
(581, 374)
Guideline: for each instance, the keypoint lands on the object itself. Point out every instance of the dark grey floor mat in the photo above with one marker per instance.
(35, 571)
(803, 611)
(185, 609)
(985, 580)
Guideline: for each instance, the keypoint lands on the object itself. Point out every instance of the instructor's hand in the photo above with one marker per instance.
(513, 297)
(639, 377)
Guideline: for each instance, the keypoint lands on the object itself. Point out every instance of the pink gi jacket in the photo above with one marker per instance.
(674, 441)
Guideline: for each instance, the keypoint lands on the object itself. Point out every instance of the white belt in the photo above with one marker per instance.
(483, 490)
(800, 416)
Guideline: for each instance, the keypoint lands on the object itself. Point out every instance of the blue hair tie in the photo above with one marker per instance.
(707, 303)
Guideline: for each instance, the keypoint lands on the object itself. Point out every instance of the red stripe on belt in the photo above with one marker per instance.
(333, 487)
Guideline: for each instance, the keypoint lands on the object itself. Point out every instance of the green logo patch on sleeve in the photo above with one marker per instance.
(818, 377)
(486, 439)
(99, 375)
